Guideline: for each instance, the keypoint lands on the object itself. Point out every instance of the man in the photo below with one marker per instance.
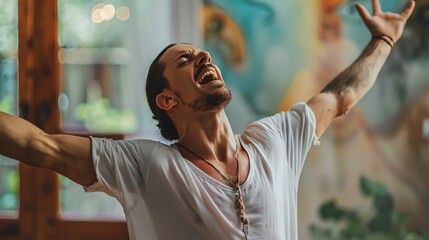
(210, 184)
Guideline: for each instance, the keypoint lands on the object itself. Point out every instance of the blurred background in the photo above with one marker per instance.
(368, 178)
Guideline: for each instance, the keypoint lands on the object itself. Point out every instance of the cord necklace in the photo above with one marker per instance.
(236, 185)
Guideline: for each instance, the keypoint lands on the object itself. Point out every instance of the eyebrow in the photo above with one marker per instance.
(182, 55)
(188, 52)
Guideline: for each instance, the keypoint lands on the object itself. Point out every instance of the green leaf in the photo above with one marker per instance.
(384, 203)
(386, 224)
(6, 104)
(371, 188)
(12, 181)
(329, 210)
(380, 223)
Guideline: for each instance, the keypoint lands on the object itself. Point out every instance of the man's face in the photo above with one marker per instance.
(196, 82)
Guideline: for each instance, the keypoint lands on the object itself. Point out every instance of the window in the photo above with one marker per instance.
(37, 190)
(94, 97)
(9, 181)
(103, 68)
(65, 72)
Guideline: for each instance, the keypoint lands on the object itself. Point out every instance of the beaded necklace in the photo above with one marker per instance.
(243, 218)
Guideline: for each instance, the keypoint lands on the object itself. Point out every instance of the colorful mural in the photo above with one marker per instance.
(249, 41)
(275, 53)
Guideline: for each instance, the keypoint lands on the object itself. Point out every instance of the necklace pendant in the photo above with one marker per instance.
(240, 205)
(244, 219)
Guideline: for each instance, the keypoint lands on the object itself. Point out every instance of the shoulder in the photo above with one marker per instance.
(298, 114)
(296, 123)
(141, 147)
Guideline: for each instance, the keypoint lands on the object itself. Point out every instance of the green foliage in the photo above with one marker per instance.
(6, 104)
(12, 181)
(99, 116)
(9, 200)
(385, 223)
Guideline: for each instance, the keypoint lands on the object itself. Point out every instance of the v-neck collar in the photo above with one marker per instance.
(214, 181)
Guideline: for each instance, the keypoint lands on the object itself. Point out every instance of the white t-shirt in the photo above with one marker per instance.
(165, 196)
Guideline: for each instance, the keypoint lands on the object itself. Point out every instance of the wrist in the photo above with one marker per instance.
(386, 38)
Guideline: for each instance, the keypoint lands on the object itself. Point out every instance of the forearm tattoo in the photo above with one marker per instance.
(361, 74)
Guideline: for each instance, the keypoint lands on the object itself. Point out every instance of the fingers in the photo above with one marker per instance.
(408, 10)
(376, 6)
(364, 14)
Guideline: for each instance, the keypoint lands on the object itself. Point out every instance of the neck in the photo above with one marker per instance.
(209, 135)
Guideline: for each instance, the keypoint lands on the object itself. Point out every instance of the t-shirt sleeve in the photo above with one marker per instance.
(293, 132)
(118, 168)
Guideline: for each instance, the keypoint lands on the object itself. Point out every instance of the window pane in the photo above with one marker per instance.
(96, 96)
(9, 180)
(104, 62)
(76, 204)
(94, 99)
(9, 186)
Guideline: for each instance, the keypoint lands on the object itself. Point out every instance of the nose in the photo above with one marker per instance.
(203, 57)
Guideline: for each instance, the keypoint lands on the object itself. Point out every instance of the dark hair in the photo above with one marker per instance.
(155, 83)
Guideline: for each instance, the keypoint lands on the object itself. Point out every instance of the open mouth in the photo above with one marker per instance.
(206, 75)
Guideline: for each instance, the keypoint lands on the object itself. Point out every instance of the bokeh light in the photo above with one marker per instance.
(105, 12)
(123, 13)
(108, 12)
(96, 16)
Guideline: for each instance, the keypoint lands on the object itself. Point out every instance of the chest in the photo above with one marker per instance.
(226, 173)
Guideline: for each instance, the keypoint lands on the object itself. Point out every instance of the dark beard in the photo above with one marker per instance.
(209, 102)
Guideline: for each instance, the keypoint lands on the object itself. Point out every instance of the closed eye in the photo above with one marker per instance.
(185, 58)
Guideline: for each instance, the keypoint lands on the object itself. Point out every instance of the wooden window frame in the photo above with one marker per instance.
(39, 215)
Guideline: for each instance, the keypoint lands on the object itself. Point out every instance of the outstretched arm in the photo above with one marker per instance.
(348, 87)
(68, 155)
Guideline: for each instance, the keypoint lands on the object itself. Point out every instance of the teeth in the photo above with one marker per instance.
(210, 72)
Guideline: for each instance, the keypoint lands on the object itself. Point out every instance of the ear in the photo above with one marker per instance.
(166, 100)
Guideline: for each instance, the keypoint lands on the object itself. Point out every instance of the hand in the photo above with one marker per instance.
(385, 23)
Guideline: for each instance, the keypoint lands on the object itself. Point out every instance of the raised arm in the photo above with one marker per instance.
(67, 155)
(344, 91)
